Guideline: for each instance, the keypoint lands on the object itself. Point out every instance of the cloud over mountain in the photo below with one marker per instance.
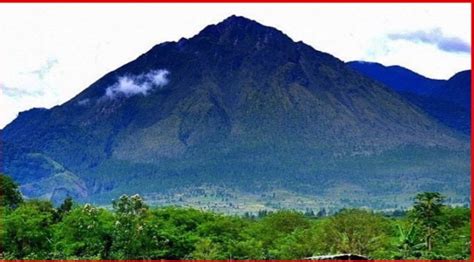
(139, 84)
(434, 37)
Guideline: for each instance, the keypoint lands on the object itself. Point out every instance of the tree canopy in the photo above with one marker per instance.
(35, 229)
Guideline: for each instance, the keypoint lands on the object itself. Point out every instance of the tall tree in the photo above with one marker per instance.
(130, 239)
(427, 213)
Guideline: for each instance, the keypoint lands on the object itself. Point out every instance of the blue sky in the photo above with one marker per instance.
(51, 52)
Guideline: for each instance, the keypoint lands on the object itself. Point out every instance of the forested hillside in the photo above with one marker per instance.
(448, 101)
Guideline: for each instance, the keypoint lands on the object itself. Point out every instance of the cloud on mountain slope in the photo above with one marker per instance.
(139, 84)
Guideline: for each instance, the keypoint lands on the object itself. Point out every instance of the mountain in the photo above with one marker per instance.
(241, 118)
(457, 90)
(41, 176)
(448, 101)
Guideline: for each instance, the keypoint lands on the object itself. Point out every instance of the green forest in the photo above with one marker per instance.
(36, 229)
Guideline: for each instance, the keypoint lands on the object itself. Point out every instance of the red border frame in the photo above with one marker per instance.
(296, 1)
(472, 143)
(238, 1)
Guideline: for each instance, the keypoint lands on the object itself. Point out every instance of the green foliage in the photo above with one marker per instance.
(276, 225)
(247, 248)
(10, 195)
(177, 230)
(207, 250)
(427, 213)
(85, 232)
(408, 245)
(131, 234)
(29, 231)
(454, 241)
(302, 242)
(355, 231)
(427, 208)
(132, 230)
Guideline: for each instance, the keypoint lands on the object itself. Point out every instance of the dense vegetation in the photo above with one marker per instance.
(35, 229)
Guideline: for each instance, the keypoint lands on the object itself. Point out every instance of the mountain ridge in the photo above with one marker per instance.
(242, 107)
(448, 101)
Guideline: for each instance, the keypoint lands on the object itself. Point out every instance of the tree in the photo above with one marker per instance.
(247, 248)
(207, 250)
(130, 205)
(28, 231)
(427, 213)
(301, 243)
(274, 226)
(85, 232)
(454, 233)
(355, 231)
(224, 232)
(176, 230)
(35, 230)
(64, 208)
(10, 195)
(130, 239)
(284, 222)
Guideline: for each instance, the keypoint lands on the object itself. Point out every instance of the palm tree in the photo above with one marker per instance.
(427, 211)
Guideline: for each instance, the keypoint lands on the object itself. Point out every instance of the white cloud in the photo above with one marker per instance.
(18, 93)
(141, 84)
(434, 37)
(89, 40)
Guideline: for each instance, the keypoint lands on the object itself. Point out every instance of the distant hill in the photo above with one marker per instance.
(448, 101)
(241, 117)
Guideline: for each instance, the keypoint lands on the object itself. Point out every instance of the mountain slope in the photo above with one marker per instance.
(39, 175)
(242, 108)
(448, 101)
(457, 89)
